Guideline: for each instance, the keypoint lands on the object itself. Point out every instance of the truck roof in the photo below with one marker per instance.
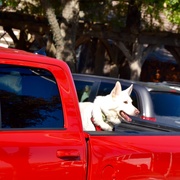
(15, 54)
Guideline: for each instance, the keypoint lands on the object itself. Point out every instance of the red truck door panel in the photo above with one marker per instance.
(36, 142)
(41, 155)
(135, 157)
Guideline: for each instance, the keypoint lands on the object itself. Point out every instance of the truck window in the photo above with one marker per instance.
(29, 98)
(83, 90)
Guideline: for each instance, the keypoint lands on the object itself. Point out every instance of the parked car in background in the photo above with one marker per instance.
(159, 103)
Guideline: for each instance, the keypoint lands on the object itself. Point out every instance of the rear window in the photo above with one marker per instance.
(166, 104)
(83, 89)
(29, 98)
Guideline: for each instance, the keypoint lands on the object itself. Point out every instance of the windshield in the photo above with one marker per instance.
(166, 104)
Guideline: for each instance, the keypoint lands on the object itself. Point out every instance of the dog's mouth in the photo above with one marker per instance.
(125, 116)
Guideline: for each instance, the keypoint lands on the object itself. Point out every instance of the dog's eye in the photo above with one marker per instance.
(125, 102)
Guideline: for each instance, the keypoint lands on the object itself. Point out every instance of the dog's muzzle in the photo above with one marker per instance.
(126, 117)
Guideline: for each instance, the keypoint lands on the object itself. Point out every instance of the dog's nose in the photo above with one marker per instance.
(137, 111)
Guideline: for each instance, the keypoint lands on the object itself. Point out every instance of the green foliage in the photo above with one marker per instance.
(172, 10)
(10, 3)
(105, 11)
(26, 7)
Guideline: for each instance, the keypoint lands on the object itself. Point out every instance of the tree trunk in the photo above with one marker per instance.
(133, 20)
(64, 34)
(54, 25)
(137, 58)
(99, 59)
(133, 27)
(68, 28)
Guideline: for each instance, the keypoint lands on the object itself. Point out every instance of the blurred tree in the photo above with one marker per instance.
(111, 24)
(64, 32)
(63, 21)
(125, 24)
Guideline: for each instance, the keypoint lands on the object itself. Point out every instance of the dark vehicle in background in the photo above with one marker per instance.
(159, 103)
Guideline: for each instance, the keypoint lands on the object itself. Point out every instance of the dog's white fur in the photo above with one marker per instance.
(116, 106)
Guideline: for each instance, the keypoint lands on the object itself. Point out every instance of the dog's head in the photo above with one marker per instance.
(121, 107)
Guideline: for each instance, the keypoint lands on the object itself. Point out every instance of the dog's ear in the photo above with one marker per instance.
(129, 89)
(116, 90)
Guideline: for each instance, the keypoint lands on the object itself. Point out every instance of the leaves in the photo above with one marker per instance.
(112, 12)
(172, 10)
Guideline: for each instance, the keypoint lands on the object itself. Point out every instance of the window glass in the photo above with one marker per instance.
(106, 88)
(29, 98)
(166, 104)
(83, 90)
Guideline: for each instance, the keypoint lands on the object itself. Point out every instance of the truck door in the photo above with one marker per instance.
(35, 140)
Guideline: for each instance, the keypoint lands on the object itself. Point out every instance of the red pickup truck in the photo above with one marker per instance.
(41, 135)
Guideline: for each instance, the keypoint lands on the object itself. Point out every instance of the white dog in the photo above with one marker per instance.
(108, 111)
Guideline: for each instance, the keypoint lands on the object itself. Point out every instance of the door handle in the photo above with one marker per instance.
(68, 154)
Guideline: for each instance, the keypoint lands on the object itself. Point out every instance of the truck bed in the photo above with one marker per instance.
(141, 128)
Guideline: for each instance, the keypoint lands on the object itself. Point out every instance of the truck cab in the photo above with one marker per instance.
(40, 125)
